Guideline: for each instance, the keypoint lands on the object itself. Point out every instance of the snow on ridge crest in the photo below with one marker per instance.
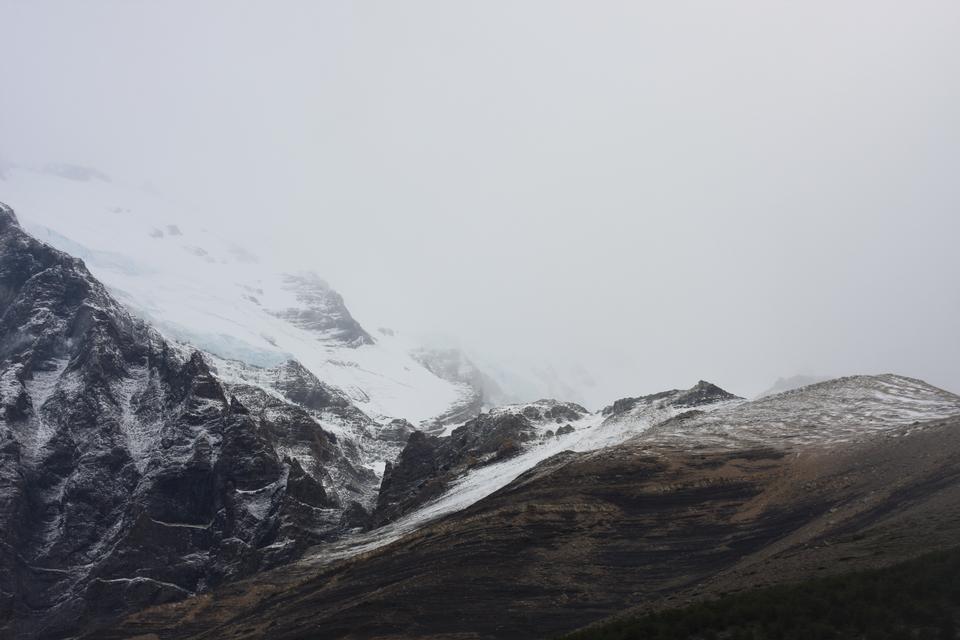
(7, 216)
(836, 411)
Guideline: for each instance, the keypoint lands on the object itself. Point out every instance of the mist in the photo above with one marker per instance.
(648, 194)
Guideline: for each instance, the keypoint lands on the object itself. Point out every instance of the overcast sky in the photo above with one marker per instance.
(659, 191)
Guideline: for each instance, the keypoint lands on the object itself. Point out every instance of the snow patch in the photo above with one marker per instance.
(141, 437)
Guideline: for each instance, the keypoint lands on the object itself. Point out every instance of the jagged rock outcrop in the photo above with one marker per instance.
(702, 393)
(396, 431)
(322, 311)
(428, 464)
(295, 429)
(417, 476)
(300, 386)
(129, 474)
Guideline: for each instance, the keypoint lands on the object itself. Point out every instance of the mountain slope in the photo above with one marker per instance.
(651, 521)
(488, 452)
(917, 598)
(583, 536)
(836, 411)
(130, 473)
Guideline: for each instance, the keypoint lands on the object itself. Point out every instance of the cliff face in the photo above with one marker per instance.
(128, 475)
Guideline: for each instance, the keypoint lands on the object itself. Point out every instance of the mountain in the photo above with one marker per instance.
(141, 470)
(225, 457)
(853, 473)
(203, 445)
(195, 285)
(489, 451)
(136, 470)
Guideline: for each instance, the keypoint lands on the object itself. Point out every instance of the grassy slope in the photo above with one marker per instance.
(918, 599)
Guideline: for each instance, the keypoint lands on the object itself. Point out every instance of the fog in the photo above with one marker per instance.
(650, 193)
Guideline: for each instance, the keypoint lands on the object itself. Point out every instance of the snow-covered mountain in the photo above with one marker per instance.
(435, 476)
(200, 416)
(827, 413)
(197, 286)
(130, 473)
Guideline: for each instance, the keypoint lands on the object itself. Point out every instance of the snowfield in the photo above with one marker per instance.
(198, 287)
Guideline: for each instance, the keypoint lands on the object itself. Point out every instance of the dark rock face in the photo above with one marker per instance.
(486, 435)
(397, 431)
(302, 387)
(416, 477)
(428, 464)
(129, 475)
(565, 429)
(322, 311)
(702, 393)
(293, 431)
(553, 411)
